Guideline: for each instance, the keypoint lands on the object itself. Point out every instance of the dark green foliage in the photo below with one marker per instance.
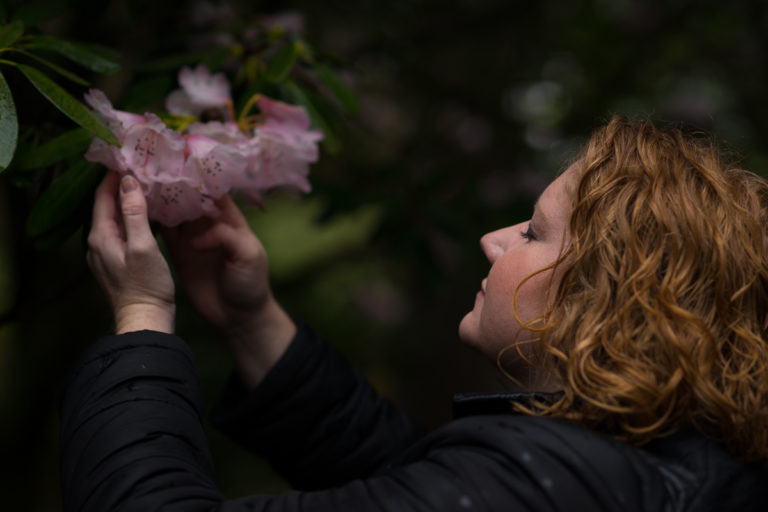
(95, 58)
(63, 101)
(14, 43)
(63, 197)
(281, 63)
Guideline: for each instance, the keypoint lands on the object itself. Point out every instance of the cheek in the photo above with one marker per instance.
(498, 316)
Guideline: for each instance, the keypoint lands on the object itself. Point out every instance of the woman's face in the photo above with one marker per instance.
(516, 252)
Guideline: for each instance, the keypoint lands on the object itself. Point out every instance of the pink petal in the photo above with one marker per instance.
(227, 133)
(274, 164)
(178, 201)
(303, 143)
(277, 112)
(178, 103)
(218, 166)
(199, 91)
(105, 153)
(116, 120)
(152, 150)
(204, 87)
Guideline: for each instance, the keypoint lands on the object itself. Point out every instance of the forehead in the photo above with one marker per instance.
(555, 201)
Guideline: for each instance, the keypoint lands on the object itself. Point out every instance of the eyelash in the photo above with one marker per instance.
(528, 234)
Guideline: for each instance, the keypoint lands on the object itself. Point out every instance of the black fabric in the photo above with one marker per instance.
(313, 411)
(132, 440)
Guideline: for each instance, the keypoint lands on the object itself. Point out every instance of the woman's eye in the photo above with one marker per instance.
(528, 234)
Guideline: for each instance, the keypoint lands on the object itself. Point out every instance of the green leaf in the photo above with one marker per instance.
(62, 198)
(281, 63)
(330, 140)
(59, 235)
(10, 33)
(9, 125)
(67, 144)
(67, 104)
(88, 56)
(63, 72)
(338, 88)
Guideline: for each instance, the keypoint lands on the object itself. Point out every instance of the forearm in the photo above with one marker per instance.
(259, 341)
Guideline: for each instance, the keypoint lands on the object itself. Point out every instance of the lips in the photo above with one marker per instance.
(482, 285)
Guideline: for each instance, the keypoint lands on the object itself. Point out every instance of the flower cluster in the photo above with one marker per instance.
(183, 172)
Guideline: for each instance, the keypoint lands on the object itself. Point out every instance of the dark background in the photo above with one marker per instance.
(467, 110)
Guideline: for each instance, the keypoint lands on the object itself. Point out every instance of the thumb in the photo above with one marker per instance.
(134, 209)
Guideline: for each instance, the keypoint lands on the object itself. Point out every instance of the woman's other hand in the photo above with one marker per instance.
(126, 261)
(222, 267)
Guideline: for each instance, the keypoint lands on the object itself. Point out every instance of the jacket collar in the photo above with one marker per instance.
(473, 404)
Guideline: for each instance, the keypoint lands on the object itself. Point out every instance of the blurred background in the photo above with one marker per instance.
(464, 111)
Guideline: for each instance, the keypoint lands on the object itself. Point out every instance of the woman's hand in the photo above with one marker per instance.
(222, 267)
(126, 261)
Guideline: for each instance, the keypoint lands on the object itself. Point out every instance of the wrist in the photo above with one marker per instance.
(259, 341)
(139, 317)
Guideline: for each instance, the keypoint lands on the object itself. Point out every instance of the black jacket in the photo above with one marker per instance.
(132, 440)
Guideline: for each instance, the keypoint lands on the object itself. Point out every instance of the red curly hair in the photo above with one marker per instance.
(659, 321)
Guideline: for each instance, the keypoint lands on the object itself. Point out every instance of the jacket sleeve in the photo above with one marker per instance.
(317, 421)
(131, 431)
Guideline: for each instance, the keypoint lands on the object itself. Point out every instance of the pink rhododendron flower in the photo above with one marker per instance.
(218, 167)
(283, 150)
(103, 152)
(288, 127)
(226, 133)
(182, 174)
(116, 120)
(200, 91)
(153, 151)
(177, 201)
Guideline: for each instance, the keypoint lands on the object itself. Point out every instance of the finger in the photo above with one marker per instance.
(230, 213)
(104, 208)
(89, 258)
(181, 235)
(224, 236)
(134, 209)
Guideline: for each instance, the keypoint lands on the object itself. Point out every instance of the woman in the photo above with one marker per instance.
(633, 302)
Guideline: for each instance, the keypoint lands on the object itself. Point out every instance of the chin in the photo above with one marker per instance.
(469, 333)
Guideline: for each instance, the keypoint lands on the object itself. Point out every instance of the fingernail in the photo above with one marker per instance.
(128, 184)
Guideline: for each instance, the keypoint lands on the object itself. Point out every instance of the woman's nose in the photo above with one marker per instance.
(493, 245)
(496, 243)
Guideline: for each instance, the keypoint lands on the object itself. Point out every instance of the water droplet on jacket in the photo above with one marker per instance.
(547, 482)
(526, 456)
(465, 502)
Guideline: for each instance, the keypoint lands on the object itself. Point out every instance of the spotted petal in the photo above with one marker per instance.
(152, 149)
(175, 201)
(218, 166)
